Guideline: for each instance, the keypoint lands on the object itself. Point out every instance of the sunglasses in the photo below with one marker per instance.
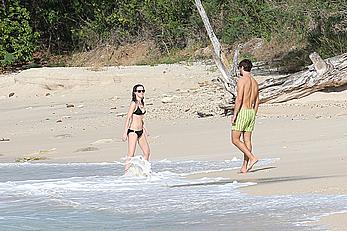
(139, 91)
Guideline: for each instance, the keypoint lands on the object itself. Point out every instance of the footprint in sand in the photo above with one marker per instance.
(87, 149)
(102, 141)
(119, 140)
(153, 139)
(63, 136)
(4, 139)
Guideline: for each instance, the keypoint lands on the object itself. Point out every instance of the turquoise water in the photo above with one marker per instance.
(98, 196)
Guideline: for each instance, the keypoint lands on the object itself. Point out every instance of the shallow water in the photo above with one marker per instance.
(99, 197)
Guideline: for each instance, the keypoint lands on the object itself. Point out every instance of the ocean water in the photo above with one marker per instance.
(98, 196)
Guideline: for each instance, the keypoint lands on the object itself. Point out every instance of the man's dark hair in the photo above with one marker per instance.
(246, 64)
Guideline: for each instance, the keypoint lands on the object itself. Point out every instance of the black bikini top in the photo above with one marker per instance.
(138, 111)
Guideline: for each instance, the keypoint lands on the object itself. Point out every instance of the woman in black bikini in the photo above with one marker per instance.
(134, 130)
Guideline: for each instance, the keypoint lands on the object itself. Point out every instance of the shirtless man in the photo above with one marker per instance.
(243, 120)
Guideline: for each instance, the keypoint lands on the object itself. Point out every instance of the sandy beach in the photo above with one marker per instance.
(64, 115)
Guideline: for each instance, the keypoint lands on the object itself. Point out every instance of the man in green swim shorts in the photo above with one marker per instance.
(243, 120)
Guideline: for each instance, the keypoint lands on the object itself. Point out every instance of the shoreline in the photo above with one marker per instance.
(296, 171)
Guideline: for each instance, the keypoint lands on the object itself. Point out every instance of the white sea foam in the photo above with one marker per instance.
(101, 197)
(165, 161)
(320, 216)
(138, 166)
(33, 164)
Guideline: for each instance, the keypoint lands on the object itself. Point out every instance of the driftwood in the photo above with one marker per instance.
(227, 108)
(235, 66)
(320, 75)
(227, 80)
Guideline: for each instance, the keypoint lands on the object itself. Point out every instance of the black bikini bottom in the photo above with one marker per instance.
(138, 133)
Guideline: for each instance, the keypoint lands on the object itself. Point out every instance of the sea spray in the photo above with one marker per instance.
(139, 167)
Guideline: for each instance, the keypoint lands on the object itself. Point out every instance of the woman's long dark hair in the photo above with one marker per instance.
(133, 93)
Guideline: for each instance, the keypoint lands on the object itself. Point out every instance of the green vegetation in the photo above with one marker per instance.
(17, 41)
(57, 27)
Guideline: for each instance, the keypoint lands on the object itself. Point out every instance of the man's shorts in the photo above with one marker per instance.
(245, 120)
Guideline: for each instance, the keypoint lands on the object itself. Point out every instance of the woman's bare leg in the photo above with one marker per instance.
(132, 139)
(145, 146)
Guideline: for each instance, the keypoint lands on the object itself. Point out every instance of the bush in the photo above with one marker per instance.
(68, 26)
(17, 41)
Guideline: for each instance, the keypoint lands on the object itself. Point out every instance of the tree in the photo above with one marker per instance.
(17, 41)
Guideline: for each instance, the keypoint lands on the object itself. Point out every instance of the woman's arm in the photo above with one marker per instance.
(144, 128)
(128, 120)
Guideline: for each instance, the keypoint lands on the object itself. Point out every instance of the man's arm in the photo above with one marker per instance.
(257, 102)
(239, 98)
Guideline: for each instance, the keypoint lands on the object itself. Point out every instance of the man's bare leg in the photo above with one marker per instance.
(247, 141)
(235, 137)
(247, 138)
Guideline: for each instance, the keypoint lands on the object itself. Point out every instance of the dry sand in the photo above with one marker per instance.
(77, 115)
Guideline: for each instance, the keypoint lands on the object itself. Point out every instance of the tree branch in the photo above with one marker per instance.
(228, 81)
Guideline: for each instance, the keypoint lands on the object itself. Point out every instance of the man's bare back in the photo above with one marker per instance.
(250, 91)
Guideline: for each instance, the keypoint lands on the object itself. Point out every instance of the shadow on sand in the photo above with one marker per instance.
(261, 169)
(256, 180)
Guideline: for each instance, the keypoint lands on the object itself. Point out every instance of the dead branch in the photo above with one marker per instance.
(320, 75)
(228, 81)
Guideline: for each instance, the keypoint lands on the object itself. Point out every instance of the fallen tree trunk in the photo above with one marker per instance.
(227, 80)
(320, 75)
